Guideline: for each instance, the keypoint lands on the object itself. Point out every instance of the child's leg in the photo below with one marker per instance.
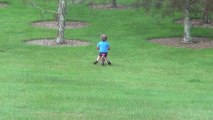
(97, 60)
(109, 63)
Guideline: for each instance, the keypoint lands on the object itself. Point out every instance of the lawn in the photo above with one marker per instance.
(146, 81)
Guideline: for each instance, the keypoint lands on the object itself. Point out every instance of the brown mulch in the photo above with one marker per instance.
(52, 42)
(107, 6)
(197, 23)
(2, 5)
(197, 43)
(118, 7)
(53, 24)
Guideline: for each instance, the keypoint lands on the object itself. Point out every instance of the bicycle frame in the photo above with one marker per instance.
(103, 58)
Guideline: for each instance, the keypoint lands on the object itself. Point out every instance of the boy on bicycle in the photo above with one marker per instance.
(103, 47)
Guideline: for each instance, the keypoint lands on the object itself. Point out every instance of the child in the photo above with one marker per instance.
(103, 47)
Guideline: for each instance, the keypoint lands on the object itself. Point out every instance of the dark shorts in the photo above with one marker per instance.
(103, 53)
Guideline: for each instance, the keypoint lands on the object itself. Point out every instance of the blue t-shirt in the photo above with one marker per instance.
(103, 46)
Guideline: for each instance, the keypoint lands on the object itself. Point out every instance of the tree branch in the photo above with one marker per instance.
(33, 4)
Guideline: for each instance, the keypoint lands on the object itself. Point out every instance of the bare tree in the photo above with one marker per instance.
(159, 4)
(206, 9)
(114, 3)
(60, 15)
(147, 4)
(186, 6)
(61, 21)
(61, 18)
(187, 34)
(170, 6)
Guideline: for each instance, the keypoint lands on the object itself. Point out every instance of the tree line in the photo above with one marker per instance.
(189, 7)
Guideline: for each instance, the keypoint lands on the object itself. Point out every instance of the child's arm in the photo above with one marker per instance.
(108, 47)
(97, 48)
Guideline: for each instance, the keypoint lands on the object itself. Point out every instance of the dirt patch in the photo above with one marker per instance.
(52, 42)
(53, 24)
(2, 5)
(197, 23)
(107, 6)
(197, 43)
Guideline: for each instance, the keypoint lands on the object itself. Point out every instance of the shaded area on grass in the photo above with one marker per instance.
(52, 42)
(197, 43)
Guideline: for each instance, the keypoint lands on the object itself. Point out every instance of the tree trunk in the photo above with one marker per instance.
(187, 35)
(158, 4)
(205, 13)
(61, 21)
(114, 3)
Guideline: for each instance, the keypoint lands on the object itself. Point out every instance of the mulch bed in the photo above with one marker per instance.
(197, 43)
(107, 6)
(53, 24)
(197, 23)
(2, 5)
(52, 42)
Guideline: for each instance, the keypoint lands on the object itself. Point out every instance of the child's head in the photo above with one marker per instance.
(104, 37)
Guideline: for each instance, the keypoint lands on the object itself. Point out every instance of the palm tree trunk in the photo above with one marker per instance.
(187, 26)
(61, 21)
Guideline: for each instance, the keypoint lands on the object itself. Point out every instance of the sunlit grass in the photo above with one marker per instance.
(145, 81)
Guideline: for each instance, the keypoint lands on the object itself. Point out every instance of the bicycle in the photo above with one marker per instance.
(103, 58)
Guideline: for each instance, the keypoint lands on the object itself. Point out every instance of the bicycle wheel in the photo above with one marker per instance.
(103, 60)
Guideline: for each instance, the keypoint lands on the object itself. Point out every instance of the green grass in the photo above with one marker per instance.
(146, 81)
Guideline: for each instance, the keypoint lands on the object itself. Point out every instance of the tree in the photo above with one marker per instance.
(186, 6)
(60, 16)
(61, 21)
(206, 8)
(114, 3)
(187, 27)
(158, 4)
(171, 5)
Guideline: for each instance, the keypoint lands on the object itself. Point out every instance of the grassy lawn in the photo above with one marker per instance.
(145, 81)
